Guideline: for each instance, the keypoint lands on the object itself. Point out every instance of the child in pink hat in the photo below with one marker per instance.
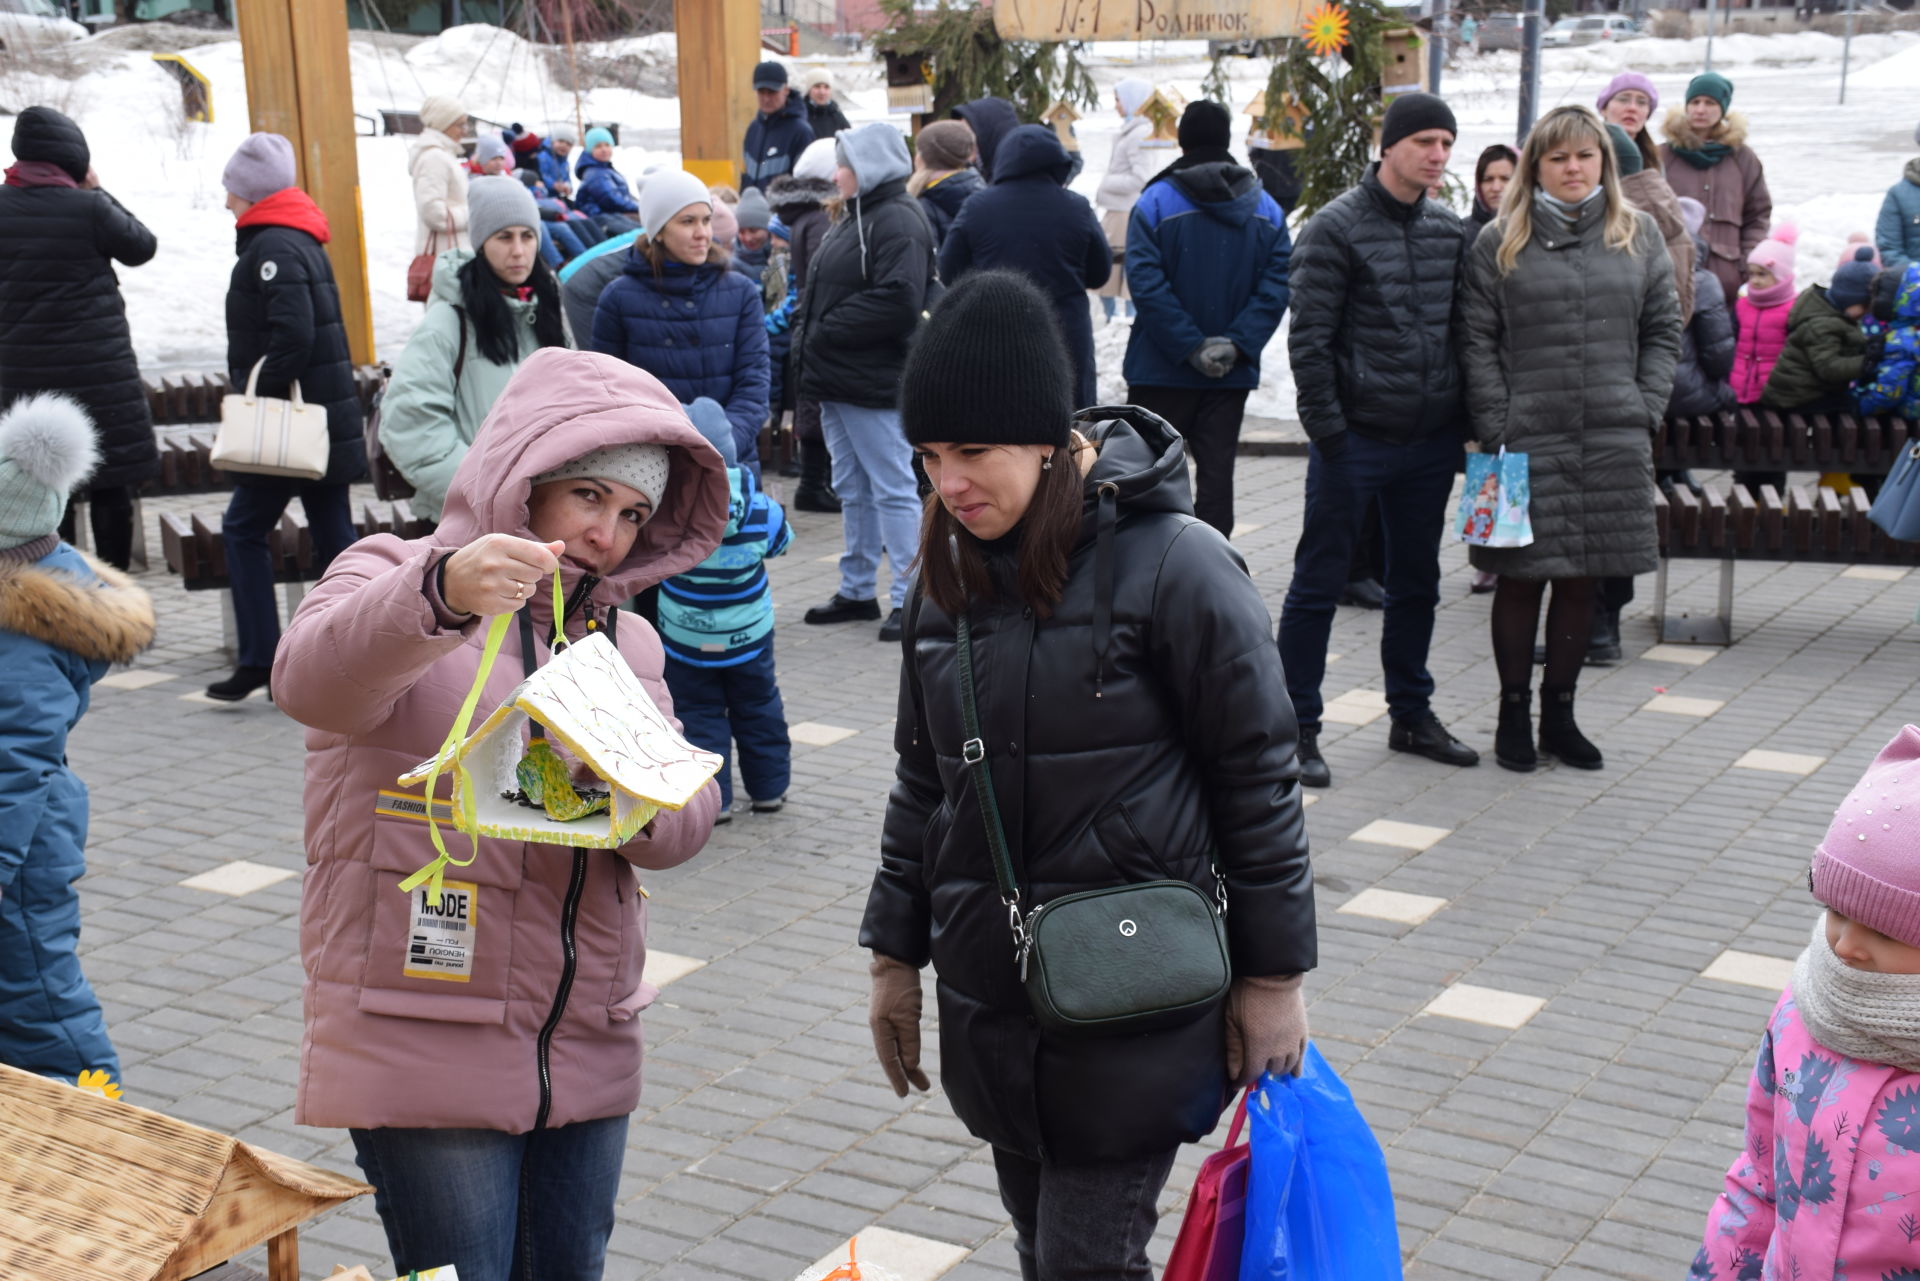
(1830, 1178)
(1762, 311)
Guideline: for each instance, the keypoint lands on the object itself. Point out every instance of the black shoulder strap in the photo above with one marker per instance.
(974, 752)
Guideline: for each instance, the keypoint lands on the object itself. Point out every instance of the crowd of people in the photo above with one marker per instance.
(584, 404)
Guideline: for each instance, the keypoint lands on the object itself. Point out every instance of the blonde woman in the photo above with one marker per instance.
(1572, 329)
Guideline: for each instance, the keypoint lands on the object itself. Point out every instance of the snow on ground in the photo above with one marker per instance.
(1828, 165)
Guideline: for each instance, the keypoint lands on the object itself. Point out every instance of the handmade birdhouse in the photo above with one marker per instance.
(1163, 108)
(1061, 116)
(93, 1188)
(511, 780)
(1285, 130)
(1403, 64)
(909, 81)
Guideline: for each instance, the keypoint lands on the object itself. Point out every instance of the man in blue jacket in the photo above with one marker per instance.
(1207, 256)
(778, 134)
(1028, 222)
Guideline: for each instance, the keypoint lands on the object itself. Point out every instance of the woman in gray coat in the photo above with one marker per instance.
(1572, 328)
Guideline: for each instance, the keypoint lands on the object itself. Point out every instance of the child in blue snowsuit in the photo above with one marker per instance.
(63, 619)
(716, 623)
(1894, 387)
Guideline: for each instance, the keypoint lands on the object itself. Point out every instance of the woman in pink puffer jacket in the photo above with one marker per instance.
(1828, 1185)
(488, 1093)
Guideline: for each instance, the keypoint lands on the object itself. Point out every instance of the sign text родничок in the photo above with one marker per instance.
(1145, 19)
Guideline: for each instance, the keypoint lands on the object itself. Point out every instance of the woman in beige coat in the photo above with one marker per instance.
(437, 165)
(1706, 156)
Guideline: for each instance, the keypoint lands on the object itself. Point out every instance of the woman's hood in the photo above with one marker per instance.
(1140, 455)
(790, 197)
(1732, 130)
(561, 404)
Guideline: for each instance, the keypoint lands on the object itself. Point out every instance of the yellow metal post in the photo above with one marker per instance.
(719, 41)
(298, 86)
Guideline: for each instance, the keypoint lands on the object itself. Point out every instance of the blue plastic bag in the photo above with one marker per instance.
(1319, 1207)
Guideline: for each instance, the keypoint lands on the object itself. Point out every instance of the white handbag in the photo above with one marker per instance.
(271, 437)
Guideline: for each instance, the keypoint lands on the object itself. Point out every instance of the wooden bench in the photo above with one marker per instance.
(1807, 523)
(193, 550)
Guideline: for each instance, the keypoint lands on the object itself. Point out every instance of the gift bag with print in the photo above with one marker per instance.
(1495, 501)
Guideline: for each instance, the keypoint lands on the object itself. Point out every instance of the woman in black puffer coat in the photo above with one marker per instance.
(283, 315)
(63, 324)
(1137, 728)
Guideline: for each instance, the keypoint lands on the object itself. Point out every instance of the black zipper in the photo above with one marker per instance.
(568, 914)
(581, 591)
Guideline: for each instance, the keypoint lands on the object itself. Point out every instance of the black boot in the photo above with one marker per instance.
(237, 686)
(815, 491)
(1513, 741)
(1313, 766)
(1559, 736)
(1603, 643)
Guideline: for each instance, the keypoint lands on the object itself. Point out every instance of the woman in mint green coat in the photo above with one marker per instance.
(491, 307)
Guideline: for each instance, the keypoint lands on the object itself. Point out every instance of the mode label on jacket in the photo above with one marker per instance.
(440, 939)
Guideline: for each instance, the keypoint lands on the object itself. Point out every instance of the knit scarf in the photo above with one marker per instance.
(1777, 294)
(1567, 213)
(1704, 156)
(1872, 1017)
(39, 173)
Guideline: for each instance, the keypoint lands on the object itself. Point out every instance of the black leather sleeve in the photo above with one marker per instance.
(1213, 649)
(898, 922)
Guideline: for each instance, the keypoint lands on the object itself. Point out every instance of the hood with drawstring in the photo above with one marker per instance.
(376, 667)
(1111, 776)
(991, 120)
(868, 282)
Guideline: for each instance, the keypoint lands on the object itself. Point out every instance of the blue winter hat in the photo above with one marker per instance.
(597, 135)
(707, 415)
(47, 448)
(1853, 280)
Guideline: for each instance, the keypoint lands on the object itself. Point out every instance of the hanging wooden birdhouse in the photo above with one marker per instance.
(1163, 108)
(1403, 62)
(516, 785)
(1285, 130)
(1061, 116)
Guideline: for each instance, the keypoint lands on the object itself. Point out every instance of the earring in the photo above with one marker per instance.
(1048, 464)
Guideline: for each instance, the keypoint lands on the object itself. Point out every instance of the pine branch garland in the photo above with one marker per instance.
(970, 60)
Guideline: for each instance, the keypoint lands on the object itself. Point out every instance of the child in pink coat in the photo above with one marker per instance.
(1829, 1182)
(1761, 313)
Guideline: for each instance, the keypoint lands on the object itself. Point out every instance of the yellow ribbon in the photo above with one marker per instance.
(433, 873)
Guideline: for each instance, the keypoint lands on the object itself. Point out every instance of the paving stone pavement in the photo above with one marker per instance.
(1525, 1018)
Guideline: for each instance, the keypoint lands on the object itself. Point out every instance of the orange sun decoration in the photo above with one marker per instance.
(1326, 29)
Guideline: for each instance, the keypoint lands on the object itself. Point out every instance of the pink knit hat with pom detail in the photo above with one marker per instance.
(1775, 253)
(1868, 867)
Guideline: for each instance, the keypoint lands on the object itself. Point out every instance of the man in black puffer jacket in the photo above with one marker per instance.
(865, 290)
(283, 318)
(63, 324)
(1380, 394)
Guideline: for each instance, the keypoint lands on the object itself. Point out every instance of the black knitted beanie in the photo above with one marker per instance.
(988, 367)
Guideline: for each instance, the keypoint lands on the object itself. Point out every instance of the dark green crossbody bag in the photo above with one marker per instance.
(1108, 962)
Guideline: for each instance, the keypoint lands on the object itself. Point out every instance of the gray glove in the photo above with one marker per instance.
(1215, 357)
(1266, 1027)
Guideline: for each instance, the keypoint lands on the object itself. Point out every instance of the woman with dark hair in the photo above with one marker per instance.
(1572, 328)
(491, 308)
(1491, 174)
(1135, 725)
(683, 315)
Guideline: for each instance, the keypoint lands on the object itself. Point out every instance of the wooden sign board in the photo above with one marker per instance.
(1047, 20)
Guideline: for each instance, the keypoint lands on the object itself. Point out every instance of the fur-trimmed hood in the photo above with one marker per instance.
(111, 620)
(790, 197)
(1732, 130)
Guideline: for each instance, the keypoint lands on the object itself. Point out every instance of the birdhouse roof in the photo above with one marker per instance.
(1060, 111)
(589, 700)
(96, 1188)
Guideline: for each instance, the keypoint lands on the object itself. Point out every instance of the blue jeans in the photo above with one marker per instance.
(499, 1207)
(1412, 483)
(879, 500)
(252, 513)
(719, 707)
